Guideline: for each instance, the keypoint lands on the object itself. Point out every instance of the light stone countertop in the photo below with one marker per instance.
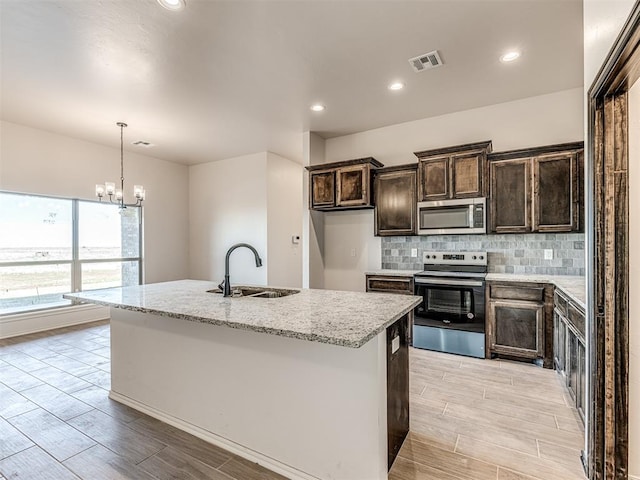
(572, 285)
(348, 319)
(393, 273)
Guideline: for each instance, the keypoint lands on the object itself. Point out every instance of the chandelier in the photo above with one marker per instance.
(109, 188)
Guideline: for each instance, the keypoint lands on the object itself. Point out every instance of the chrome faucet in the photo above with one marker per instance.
(226, 283)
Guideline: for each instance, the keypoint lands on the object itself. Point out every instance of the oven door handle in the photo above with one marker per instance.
(449, 281)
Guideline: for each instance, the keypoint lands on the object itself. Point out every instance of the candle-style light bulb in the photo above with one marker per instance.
(110, 188)
(137, 191)
(100, 191)
(118, 194)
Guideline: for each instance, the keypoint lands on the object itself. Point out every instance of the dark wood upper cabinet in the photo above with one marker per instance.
(453, 172)
(322, 187)
(342, 185)
(537, 189)
(510, 196)
(395, 200)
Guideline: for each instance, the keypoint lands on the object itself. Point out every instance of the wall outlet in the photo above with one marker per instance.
(414, 252)
(295, 239)
(353, 252)
(548, 254)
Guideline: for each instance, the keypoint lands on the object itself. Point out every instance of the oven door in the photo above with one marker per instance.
(452, 303)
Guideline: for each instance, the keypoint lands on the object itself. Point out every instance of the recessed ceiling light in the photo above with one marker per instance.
(317, 107)
(173, 5)
(396, 86)
(510, 56)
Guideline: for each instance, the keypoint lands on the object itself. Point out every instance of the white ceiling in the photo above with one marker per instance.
(227, 78)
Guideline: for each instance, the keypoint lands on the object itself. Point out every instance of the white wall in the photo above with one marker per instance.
(228, 205)
(603, 21)
(284, 220)
(312, 221)
(542, 120)
(35, 161)
(254, 199)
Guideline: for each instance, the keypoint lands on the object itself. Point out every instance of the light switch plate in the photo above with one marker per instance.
(395, 345)
(414, 252)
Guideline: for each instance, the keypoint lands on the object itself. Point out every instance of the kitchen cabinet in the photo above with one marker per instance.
(395, 200)
(519, 322)
(453, 172)
(537, 189)
(397, 386)
(401, 284)
(569, 348)
(342, 185)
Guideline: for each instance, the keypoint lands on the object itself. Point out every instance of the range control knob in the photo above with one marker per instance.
(481, 257)
(474, 257)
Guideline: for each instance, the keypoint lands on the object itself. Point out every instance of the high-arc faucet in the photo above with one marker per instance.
(227, 284)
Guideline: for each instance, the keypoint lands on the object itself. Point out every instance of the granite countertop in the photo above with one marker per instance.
(573, 286)
(348, 319)
(393, 273)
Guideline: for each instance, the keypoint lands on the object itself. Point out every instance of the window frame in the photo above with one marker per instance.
(75, 262)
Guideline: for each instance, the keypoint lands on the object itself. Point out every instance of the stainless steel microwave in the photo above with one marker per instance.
(460, 216)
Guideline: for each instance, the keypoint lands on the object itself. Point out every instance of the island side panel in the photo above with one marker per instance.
(397, 386)
(305, 409)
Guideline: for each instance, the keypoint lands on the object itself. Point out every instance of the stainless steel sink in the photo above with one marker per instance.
(257, 292)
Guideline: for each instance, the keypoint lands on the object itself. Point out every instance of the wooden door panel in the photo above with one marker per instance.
(467, 176)
(395, 195)
(516, 328)
(353, 186)
(510, 196)
(554, 190)
(322, 189)
(434, 179)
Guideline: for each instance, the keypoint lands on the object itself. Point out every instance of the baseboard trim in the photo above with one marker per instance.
(229, 445)
(634, 477)
(42, 320)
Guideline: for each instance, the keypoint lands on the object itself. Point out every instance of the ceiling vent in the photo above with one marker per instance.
(142, 143)
(426, 61)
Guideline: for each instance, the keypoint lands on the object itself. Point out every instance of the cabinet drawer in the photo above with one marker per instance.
(560, 303)
(517, 292)
(576, 319)
(390, 284)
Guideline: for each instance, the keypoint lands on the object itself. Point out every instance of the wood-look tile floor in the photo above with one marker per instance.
(474, 419)
(470, 420)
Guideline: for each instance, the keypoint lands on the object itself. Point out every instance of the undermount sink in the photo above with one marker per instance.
(257, 292)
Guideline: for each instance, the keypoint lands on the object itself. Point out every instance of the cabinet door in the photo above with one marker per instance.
(395, 199)
(434, 179)
(581, 380)
(559, 342)
(510, 196)
(467, 173)
(572, 364)
(516, 328)
(352, 186)
(322, 188)
(554, 193)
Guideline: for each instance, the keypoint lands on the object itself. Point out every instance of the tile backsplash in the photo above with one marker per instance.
(513, 253)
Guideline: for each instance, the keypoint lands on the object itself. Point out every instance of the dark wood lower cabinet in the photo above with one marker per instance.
(393, 284)
(397, 386)
(519, 323)
(569, 349)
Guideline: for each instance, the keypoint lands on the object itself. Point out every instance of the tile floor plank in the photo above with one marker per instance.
(170, 463)
(12, 440)
(61, 380)
(12, 403)
(100, 463)
(404, 469)
(242, 469)
(199, 449)
(16, 379)
(116, 436)
(99, 398)
(69, 365)
(60, 404)
(58, 439)
(34, 464)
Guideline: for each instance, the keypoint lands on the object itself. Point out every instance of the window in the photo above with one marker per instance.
(51, 246)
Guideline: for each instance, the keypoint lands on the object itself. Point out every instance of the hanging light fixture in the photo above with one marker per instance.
(109, 188)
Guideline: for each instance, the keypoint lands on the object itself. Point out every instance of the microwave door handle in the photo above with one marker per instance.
(471, 225)
(445, 283)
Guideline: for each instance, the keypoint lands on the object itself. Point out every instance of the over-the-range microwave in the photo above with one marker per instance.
(460, 216)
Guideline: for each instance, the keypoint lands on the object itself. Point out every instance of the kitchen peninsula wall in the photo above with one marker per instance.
(519, 254)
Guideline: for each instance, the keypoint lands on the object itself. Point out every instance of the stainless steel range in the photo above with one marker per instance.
(451, 316)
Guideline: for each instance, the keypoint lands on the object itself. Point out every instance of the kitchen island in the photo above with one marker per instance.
(301, 384)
